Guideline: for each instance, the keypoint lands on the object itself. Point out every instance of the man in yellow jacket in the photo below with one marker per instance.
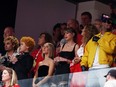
(99, 52)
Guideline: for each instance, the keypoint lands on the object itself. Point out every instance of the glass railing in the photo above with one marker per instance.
(93, 78)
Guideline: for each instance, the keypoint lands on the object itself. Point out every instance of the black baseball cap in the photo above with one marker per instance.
(112, 73)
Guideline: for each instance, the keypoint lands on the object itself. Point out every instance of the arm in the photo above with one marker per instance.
(84, 59)
(13, 59)
(58, 59)
(50, 73)
(35, 76)
(77, 59)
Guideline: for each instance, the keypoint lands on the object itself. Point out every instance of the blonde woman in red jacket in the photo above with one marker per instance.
(9, 78)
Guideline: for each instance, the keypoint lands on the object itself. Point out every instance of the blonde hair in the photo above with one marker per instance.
(13, 40)
(51, 50)
(13, 75)
(29, 41)
(91, 30)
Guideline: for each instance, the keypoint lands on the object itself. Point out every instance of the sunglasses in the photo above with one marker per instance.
(108, 21)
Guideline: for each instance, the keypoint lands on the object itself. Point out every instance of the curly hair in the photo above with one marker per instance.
(29, 41)
(48, 37)
(13, 40)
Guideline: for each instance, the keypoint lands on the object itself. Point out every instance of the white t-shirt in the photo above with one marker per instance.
(96, 61)
(80, 51)
(110, 83)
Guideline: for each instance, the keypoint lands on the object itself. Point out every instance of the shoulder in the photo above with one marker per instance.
(109, 34)
(51, 61)
(110, 83)
(76, 46)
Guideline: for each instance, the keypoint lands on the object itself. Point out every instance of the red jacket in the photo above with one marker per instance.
(37, 55)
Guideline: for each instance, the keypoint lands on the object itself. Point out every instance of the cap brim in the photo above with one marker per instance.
(105, 76)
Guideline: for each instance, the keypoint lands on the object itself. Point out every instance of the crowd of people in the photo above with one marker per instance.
(73, 47)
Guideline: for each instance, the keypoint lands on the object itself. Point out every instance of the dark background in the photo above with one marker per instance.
(7, 17)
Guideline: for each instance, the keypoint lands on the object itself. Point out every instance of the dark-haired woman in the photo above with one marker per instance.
(66, 54)
(37, 53)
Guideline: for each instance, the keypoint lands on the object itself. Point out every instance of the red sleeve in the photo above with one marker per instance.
(79, 39)
(34, 53)
(16, 85)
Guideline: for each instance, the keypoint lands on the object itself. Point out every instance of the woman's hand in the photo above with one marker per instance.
(58, 59)
(35, 85)
(77, 60)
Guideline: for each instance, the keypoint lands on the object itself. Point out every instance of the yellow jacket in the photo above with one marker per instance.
(107, 47)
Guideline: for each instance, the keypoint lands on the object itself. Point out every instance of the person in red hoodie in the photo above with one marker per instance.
(37, 53)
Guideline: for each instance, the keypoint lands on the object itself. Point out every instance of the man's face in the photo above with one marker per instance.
(85, 20)
(8, 32)
(106, 26)
(72, 24)
(8, 45)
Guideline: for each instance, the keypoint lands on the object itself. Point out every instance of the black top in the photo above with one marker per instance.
(23, 66)
(43, 70)
(68, 54)
(63, 67)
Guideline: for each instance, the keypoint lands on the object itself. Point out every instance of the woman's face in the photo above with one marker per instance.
(45, 49)
(68, 36)
(41, 40)
(5, 76)
(23, 47)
